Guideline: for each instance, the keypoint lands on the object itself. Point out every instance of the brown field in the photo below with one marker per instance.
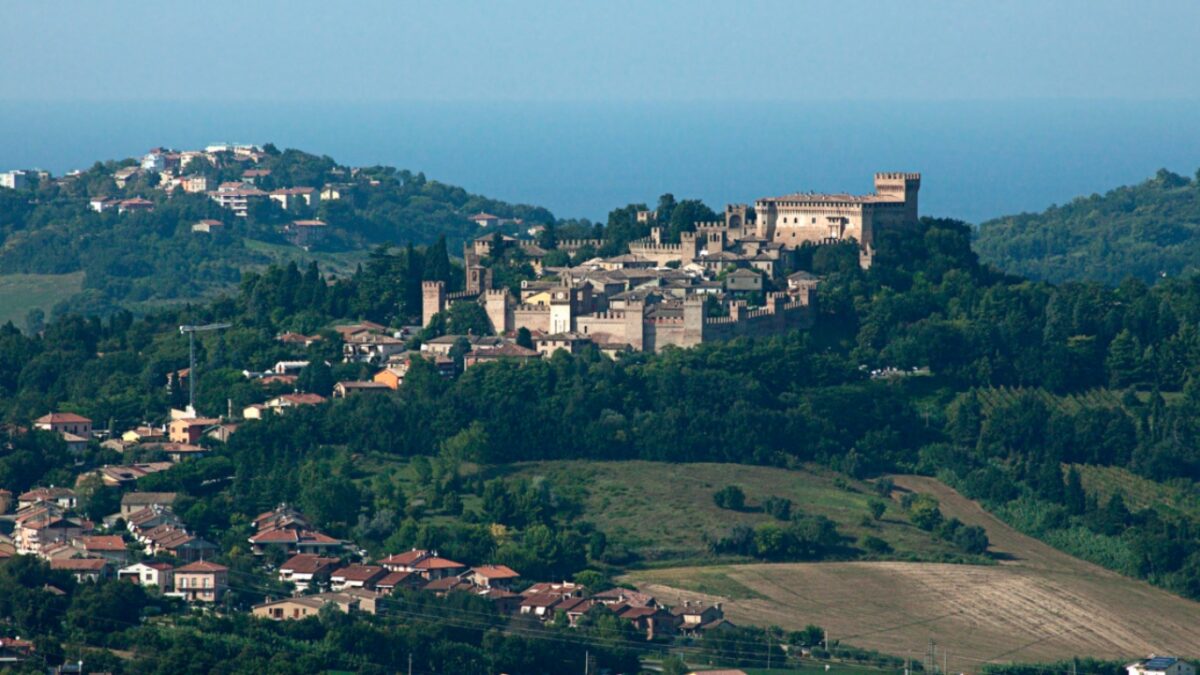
(1038, 604)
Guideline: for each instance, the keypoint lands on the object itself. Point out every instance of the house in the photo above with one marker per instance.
(43, 524)
(391, 377)
(1160, 665)
(158, 574)
(62, 497)
(134, 205)
(695, 617)
(492, 576)
(84, 569)
(189, 429)
(440, 587)
(102, 204)
(306, 570)
(237, 197)
(194, 184)
(179, 452)
(425, 563)
(576, 608)
(108, 547)
(280, 403)
(295, 541)
(302, 607)
(744, 280)
(291, 197)
(222, 432)
(571, 343)
(201, 581)
(145, 434)
(625, 596)
(483, 219)
(282, 517)
(506, 352)
(285, 380)
(292, 609)
(653, 621)
(128, 474)
(173, 540)
(289, 367)
(207, 226)
(399, 580)
(151, 517)
(305, 233)
(64, 423)
(348, 388)
(252, 176)
(132, 502)
(356, 576)
(371, 347)
(540, 605)
(122, 176)
(290, 338)
(15, 650)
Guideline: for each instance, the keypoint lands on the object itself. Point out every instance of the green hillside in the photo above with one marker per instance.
(1145, 231)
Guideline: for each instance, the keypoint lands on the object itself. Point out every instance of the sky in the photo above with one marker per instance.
(612, 50)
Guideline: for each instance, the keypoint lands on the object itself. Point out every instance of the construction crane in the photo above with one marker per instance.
(191, 333)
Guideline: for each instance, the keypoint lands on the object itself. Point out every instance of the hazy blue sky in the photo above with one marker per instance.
(615, 50)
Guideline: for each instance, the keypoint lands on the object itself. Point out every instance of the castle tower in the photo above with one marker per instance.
(433, 299)
(691, 245)
(562, 316)
(496, 304)
(693, 320)
(735, 216)
(635, 324)
(902, 187)
(479, 278)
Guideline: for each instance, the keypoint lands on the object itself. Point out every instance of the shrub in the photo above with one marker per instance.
(730, 497)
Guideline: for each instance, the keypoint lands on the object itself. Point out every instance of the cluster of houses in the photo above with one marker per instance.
(146, 543)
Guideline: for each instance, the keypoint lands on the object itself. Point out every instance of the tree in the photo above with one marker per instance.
(877, 507)
(730, 497)
(1076, 498)
(316, 378)
(524, 338)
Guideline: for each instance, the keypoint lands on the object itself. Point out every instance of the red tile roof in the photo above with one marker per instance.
(62, 418)
(495, 572)
(104, 543)
(307, 563)
(359, 572)
(79, 564)
(202, 566)
(435, 563)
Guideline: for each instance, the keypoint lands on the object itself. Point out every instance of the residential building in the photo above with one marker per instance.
(289, 198)
(483, 219)
(16, 179)
(507, 352)
(1160, 665)
(305, 233)
(356, 576)
(189, 429)
(237, 197)
(102, 204)
(64, 423)
(391, 377)
(492, 576)
(108, 547)
(366, 347)
(280, 404)
(352, 388)
(207, 226)
(307, 570)
(135, 204)
(132, 502)
(202, 581)
(84, 569)
(158, 574)
(64, 498)
(295, 541)
(293, 609)
(194, 184)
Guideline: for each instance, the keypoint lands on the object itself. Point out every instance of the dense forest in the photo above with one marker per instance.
(1146, 231)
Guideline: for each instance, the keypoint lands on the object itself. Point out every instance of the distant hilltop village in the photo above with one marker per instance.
(700, 289)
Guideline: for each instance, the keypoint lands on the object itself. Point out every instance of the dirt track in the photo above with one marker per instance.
(1038, 604)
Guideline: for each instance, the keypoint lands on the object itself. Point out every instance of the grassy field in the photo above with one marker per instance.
(341, 263)
(662, 511)
(20, 293)
(1038, 604)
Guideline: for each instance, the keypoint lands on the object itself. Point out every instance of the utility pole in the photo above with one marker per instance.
(191, 331)
(945, 662)
(768, 651)
(931, 656)
(587, 662)
(410, 663)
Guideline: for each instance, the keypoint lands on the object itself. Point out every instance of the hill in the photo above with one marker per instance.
(1145, 231)
(1037, 604)
(127, 257)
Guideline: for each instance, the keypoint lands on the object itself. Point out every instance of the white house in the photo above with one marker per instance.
(1161, 665)
(158, 574)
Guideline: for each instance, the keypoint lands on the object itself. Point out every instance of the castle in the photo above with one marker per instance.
(683, 294)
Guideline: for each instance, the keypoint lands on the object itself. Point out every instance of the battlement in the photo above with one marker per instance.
(576, 244)
(432, 285)
(897, 175)
(647, 245)
(461, 295)
(496, 293)
(526, 307)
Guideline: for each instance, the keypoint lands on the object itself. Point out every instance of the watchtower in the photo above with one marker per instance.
(901, 186)
(433, 299)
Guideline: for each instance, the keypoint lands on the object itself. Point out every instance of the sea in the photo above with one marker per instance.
(978, 159)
